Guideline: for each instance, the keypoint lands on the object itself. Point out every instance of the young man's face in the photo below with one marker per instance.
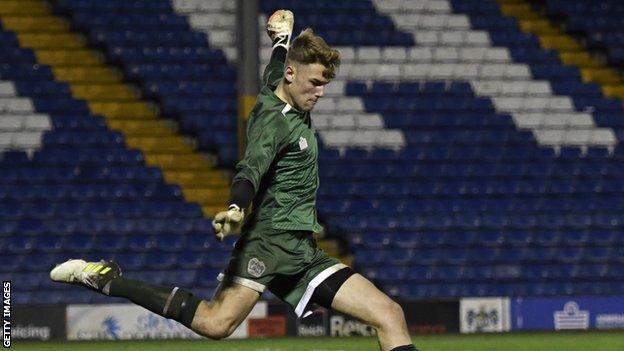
(307, 84)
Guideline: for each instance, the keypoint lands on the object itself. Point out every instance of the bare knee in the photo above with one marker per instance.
(218, 318)
(389, 315)
(215, 329)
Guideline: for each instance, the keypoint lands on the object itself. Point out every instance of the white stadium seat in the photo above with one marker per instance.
(603, 136)
(577, 136)
(6, 140)
(508, 104)
(421, 54)
(394, 54)
(335, 88)
(427, 38)
(528, 120)
(478, 38)
(10, 123)
(343, 122)
(497, 55)
(26, 140)
(446, 54)
(368, 53)
(458, 22)
(389, 71)
(416, 71)
(466, 71)
(437, 6)
(369, 121)
(7, 89)
(37, 123)
(349, 104)
(347, 54)
(325, 105)
(441, 71)
(517, 71)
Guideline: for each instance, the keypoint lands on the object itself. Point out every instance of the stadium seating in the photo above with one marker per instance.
(459, 155)
(72, 186)
(173, 65)
(466, 170)
(600, 24)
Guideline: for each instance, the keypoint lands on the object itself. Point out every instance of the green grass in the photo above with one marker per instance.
(570, 341)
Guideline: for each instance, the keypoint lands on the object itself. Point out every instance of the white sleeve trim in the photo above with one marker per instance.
(243, 281)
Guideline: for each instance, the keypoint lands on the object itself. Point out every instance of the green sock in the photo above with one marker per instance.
(167, 301)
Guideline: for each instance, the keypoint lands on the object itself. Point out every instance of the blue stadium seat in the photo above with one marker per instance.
(109, 244)
(191, 260)
(140, 242)
(217, 258)
(160, 261)
(207, 277)
(49, 243)
(10, 263)
(170, 243)
(131, 261)
(19, 244)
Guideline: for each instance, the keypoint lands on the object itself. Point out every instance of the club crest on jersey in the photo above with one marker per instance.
(303, 143)
(255, 267)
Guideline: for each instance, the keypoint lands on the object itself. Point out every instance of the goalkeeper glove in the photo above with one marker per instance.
(280, 27)
(228, 222)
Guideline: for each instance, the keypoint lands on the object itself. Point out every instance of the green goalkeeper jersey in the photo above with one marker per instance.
(280, 161)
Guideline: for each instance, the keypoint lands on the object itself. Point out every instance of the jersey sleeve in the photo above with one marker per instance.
(266, 137)
(273, 73)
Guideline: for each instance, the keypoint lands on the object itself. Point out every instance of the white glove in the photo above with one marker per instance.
(228, 222)
(280, 27)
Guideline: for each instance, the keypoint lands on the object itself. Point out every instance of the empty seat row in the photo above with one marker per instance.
(489, 220)
(531, 273)
(93, 192)
(189, 89)
(486, 238)
(434, 291)
(136, 38)
(540, 174)
(174, 72)
(60, 210)
(155, 245)
(114, 226)
(168, 55)
(139, 6)
(463, 256)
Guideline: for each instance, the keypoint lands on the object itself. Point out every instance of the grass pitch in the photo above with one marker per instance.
(569, 341)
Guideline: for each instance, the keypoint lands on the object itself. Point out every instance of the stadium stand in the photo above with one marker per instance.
(461, 154)
(507, 166)
(79, 178)
(173, 65)
(598, 24)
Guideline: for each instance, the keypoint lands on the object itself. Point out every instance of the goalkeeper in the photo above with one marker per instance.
(276, 251)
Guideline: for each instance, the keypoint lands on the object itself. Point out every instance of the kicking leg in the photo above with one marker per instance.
(359, 298)
(215, 319)
(219, 317)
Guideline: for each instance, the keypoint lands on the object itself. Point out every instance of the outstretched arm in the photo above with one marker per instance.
(279, 29)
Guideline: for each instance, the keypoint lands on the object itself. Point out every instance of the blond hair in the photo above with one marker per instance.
(309, 48)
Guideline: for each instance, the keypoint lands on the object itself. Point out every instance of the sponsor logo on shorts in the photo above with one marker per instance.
(256, 267)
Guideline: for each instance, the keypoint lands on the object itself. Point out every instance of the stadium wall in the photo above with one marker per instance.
(274, 319)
